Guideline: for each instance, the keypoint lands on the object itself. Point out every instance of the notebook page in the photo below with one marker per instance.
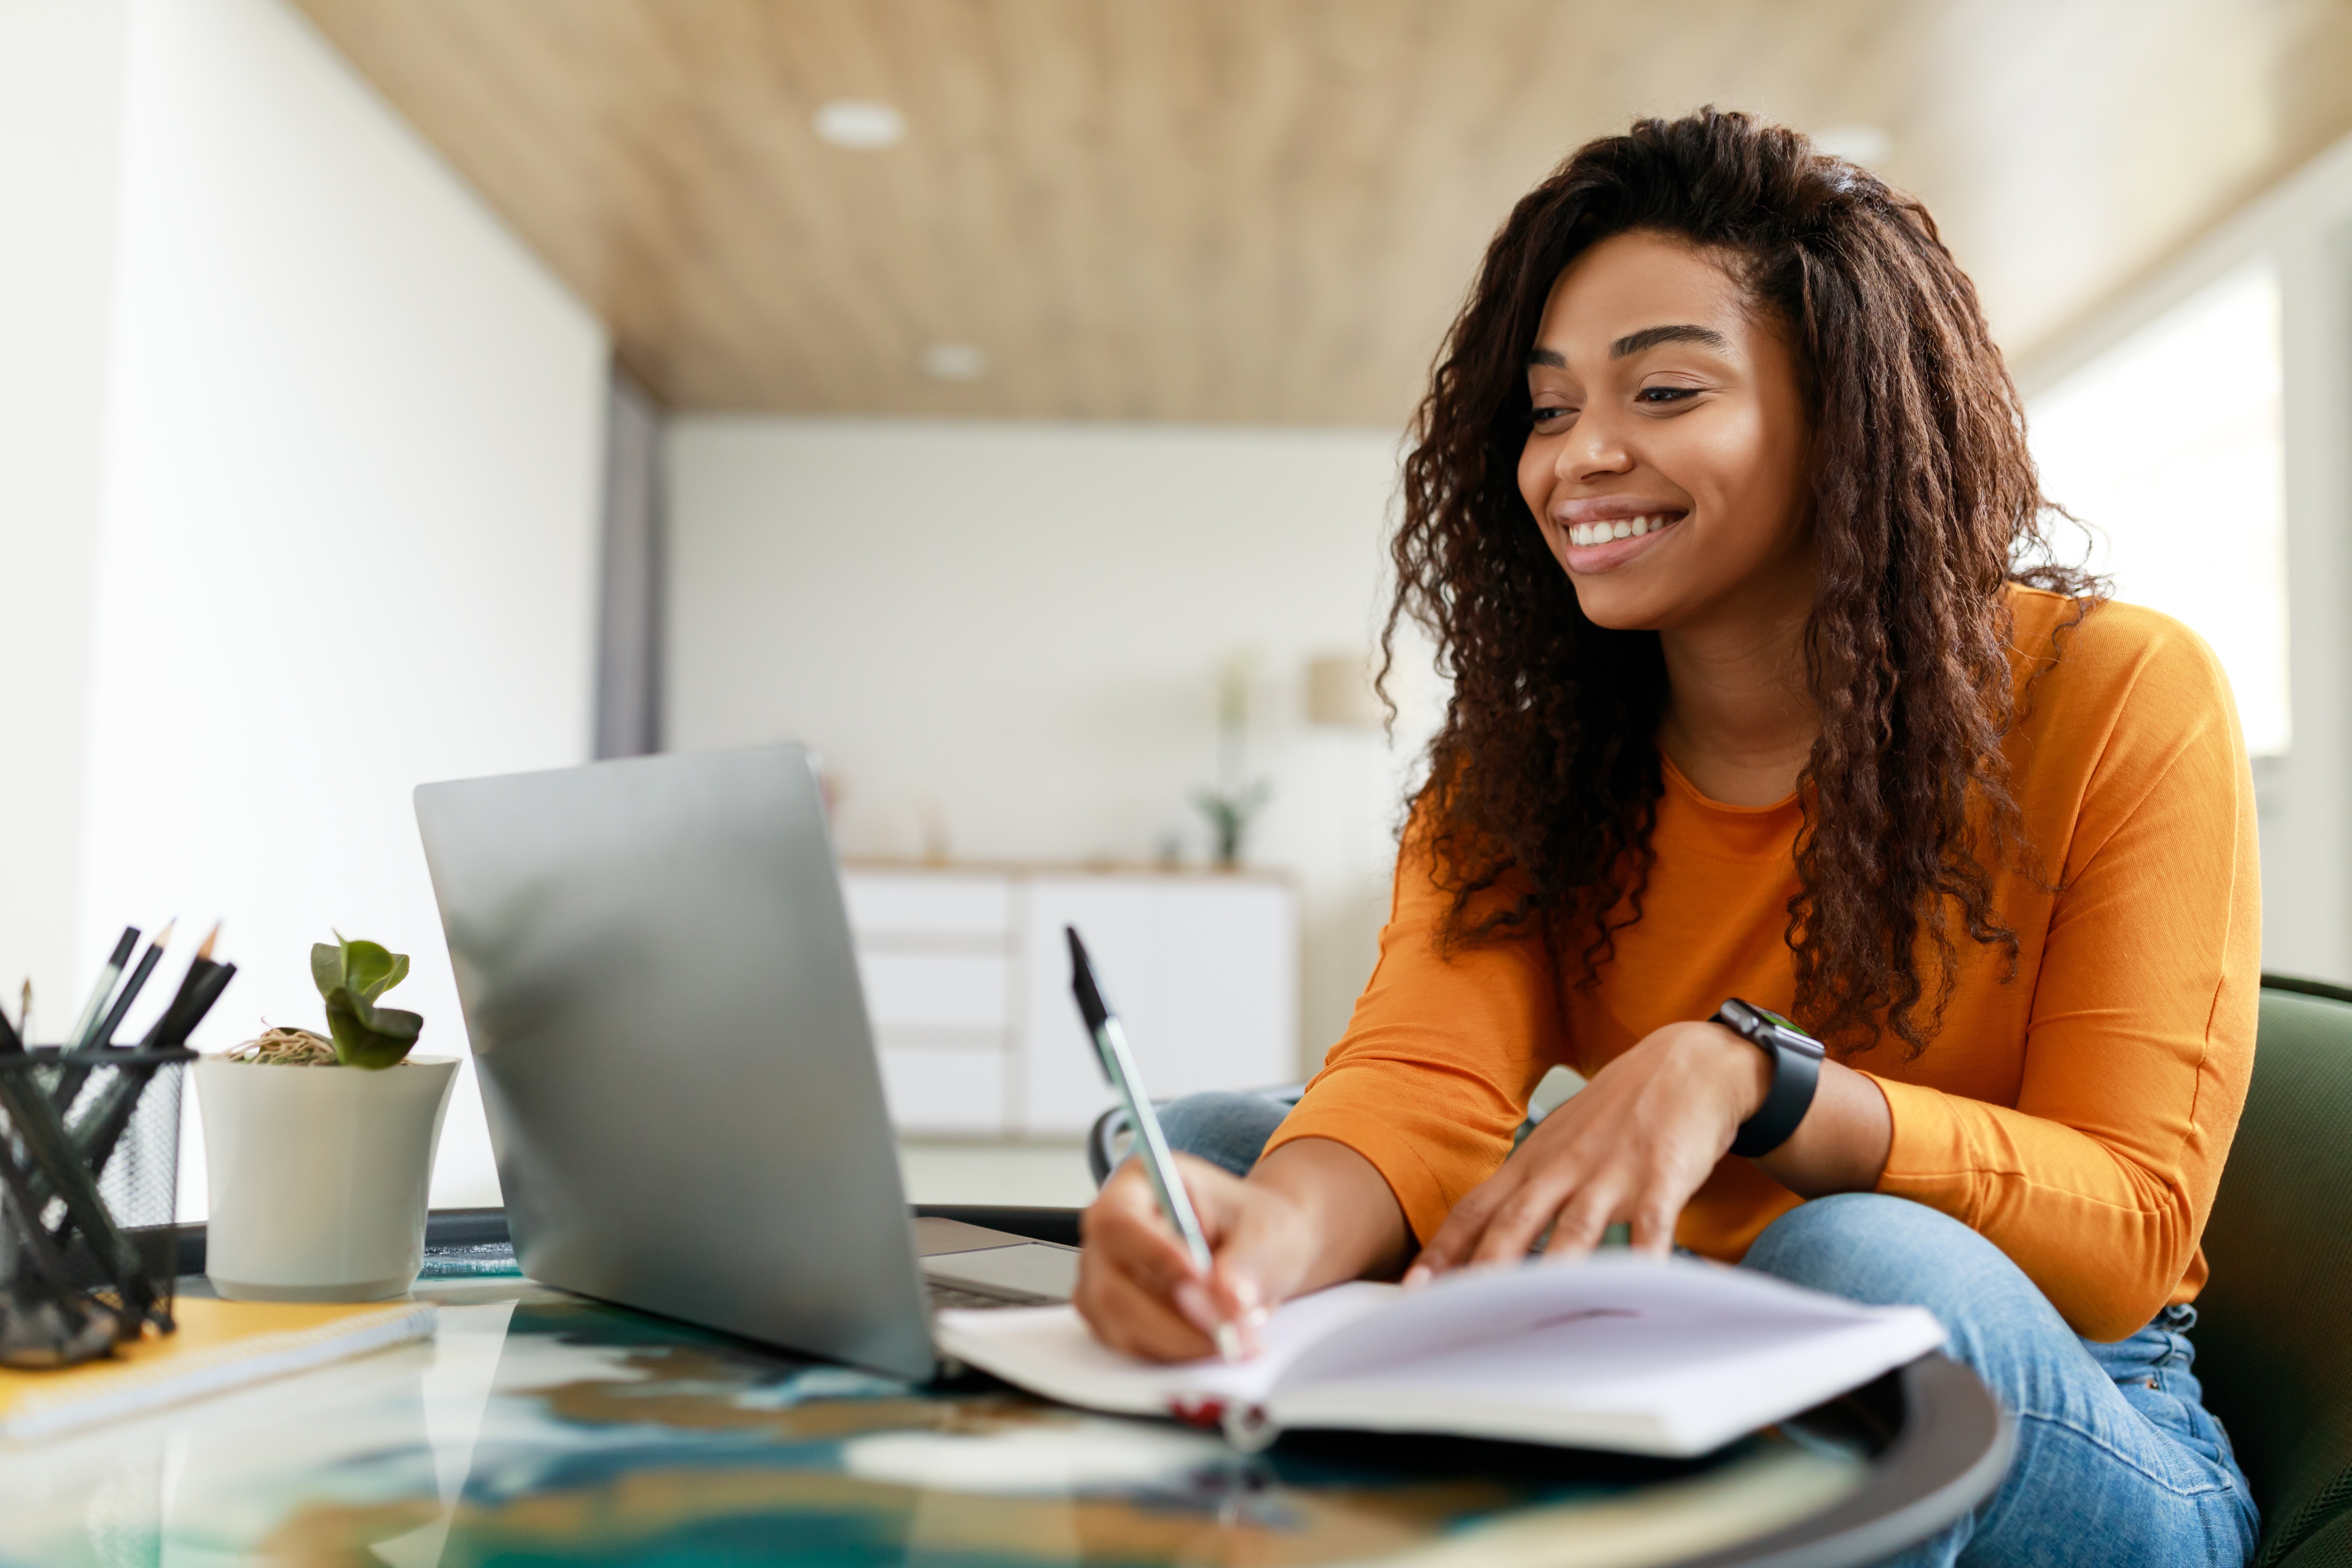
(1050, 1351)
(1662, 1356)
(1499, 1304)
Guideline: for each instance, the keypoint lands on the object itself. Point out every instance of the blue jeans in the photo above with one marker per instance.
(2117, 1460)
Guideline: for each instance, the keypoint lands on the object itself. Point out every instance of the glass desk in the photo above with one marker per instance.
(539, 1427)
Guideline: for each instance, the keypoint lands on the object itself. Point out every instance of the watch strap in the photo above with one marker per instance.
(1796, 1074)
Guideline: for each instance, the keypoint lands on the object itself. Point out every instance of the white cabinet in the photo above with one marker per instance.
(967, 983)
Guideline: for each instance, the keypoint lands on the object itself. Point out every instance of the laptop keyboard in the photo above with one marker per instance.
(939, 1294)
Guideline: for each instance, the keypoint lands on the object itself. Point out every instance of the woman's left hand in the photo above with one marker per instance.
(1633, 1144)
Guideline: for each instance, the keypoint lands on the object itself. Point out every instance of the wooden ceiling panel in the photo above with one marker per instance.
(1266, 210)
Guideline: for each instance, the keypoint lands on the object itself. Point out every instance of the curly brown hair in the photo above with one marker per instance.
(1545, 777)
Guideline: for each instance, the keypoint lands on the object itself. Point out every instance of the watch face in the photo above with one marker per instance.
(1754, 1022)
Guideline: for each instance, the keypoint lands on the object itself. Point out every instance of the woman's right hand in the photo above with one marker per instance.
(1137, 1288)
(1312, 1214)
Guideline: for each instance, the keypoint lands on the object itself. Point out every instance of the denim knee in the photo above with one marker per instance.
(1888, 1251)
(1866, 1239)
(2105, 1473)
(1222, 1127)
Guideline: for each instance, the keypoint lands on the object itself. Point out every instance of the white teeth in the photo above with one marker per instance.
(1586, 534)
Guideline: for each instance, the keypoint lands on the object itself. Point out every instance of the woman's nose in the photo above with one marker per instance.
(1595, 446)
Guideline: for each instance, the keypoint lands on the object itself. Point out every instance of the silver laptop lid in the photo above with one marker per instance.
(673, 1049)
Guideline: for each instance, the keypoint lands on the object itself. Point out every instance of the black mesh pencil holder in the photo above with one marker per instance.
(89, 1159)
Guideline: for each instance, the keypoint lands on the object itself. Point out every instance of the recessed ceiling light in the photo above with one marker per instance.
(1866, 144)
(861, 123)
(954, 362)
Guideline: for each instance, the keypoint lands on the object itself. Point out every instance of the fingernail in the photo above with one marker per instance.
(1417, 1276)
(1255, 1317)
(1245, 1292)
(1191, 1299)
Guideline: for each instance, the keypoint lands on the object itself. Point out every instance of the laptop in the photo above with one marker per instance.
(675, 1060)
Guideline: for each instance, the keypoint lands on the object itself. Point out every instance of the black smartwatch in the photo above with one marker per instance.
(1796, 1073)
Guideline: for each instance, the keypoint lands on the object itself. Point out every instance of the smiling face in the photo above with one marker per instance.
(1665, 452)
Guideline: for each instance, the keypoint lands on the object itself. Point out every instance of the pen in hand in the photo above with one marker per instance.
(1150, 1144)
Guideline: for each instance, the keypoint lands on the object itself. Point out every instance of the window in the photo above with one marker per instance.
(2169, 446)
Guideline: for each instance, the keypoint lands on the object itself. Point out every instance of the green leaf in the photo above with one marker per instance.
(326, 966)
(369, 1037)
(369, 969)
(351, 976)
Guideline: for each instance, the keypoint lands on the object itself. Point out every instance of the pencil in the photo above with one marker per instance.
(104, 1034)
(113, 972)
(199, 968)
(172, 1030)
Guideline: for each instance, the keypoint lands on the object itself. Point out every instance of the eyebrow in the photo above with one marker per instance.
(1651, 337)
(1647, 338)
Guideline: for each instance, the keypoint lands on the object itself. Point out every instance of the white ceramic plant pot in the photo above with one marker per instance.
(318, 1177)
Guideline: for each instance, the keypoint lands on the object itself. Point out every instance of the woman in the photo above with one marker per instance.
(1716, 513)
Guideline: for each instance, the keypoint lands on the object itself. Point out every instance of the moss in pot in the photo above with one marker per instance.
(319, 1148)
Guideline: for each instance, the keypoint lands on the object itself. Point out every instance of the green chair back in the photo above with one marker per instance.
(2274, 1333)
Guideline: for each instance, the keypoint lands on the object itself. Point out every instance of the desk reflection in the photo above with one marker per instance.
(539, 1426)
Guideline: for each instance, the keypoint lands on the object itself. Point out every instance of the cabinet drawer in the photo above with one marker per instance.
(936, 990)
(1202, 971)
(906, 904)
(932, 1088)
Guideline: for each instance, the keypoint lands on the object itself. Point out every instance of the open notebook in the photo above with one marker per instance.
(1645, 1355)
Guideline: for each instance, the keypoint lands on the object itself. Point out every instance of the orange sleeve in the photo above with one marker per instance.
(1432, 1076)
(2141, 1034)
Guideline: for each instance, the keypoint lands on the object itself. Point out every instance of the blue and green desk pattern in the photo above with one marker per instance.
(538, 1427)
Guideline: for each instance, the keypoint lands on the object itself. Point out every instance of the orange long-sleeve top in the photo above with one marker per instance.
(2076, 1114)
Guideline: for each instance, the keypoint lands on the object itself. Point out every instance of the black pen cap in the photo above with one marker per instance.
(1082, 983)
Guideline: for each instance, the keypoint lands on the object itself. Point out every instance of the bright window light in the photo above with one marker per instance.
(2169, 446)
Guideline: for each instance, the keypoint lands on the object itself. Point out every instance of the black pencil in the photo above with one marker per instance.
(104, 1034)
(107, 976)
(206, 980)
(198, 968)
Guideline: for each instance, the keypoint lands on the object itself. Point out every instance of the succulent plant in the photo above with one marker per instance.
(351, 976)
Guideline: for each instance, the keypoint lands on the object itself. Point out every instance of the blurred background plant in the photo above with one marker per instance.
(1236, 798)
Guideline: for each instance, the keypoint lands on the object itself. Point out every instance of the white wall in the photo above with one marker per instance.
(61, 82)
(2305, 226)
(1008, 636)
(347, 535)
